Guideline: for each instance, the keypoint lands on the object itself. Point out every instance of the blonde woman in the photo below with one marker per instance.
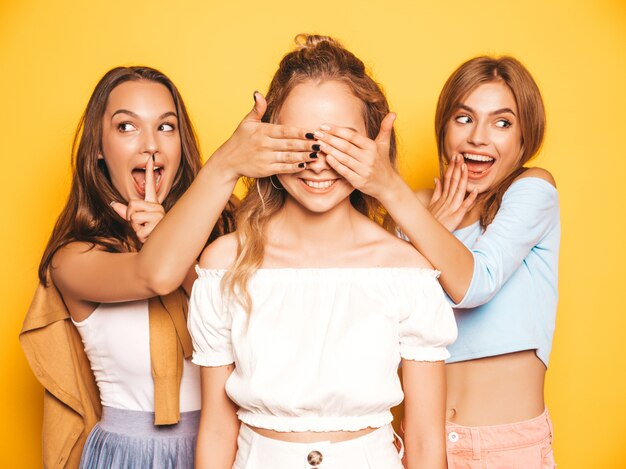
(301, 317)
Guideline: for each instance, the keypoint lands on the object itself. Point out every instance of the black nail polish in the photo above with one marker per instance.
(301, 165)
(316, 147)
(310, 136)
(313, 155)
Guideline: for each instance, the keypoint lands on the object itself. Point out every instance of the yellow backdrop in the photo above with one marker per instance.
(53, 53)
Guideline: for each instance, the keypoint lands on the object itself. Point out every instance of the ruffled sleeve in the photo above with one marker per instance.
(430, 326)
(209, 321)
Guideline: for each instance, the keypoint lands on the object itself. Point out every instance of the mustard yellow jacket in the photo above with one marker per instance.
(55, 352)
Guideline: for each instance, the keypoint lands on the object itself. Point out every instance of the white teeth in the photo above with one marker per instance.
(319, 184)
(473, 157)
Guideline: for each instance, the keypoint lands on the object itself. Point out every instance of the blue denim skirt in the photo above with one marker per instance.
(125, 439)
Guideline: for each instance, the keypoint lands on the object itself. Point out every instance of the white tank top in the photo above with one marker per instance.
(116, 337)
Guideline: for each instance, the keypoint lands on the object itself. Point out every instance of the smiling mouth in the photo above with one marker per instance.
(319, 184)
(477, 164)
(139, 176)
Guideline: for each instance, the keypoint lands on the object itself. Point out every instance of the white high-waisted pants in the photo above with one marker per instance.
(372, 451)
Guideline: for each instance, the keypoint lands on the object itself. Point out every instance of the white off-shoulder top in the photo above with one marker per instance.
(321, 348)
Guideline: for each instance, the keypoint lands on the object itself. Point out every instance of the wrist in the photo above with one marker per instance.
(393, 190)
(220, 164)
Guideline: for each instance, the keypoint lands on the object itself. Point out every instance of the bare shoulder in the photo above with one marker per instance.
(221, 253)
(424, 196)
(538, 173)
(395, 252)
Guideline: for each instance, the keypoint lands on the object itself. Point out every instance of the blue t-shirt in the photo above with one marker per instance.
(511, 302)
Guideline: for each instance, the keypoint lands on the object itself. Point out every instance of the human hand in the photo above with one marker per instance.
(258, 149)
(143, 215)
(363, 162)
(449, 204)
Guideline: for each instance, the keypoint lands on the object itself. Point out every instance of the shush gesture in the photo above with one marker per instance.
(143, 215)
(450, 202)
(363, 162)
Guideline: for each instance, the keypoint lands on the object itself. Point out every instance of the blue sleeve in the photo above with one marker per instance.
(529, 211)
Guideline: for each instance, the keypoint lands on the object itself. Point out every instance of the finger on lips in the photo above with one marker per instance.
(150, 189)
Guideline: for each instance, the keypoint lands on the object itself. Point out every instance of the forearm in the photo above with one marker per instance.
(424, 385)
(422, 453)
(216, 448)
(430, 238)
(179, 238)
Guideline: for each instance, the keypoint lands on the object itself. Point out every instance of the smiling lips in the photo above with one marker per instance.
(319, 184)
(139, 177)
(477, 165)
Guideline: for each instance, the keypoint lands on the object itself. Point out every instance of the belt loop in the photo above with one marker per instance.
(549, 420)
(475, 443)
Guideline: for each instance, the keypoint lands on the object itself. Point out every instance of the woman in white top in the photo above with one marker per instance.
(136, 155)
(301, 317)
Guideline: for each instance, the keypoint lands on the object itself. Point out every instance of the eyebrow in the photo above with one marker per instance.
(497, 111)
(132, 114)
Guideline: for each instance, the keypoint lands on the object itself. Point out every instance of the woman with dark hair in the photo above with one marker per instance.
(498, 266)
(114, 263)
(300, 318)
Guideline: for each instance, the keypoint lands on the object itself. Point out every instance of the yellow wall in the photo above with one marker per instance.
(53, 53)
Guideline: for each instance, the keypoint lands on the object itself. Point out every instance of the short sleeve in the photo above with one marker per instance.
(209, 321)
(430, 326)
(528, 214)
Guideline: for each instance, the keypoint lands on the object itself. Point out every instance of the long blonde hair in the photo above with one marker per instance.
(317, 58)
(532, 117)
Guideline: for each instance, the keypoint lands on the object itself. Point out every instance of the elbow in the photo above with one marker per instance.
(161, 283)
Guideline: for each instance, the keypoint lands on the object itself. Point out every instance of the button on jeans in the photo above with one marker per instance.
(372, 451)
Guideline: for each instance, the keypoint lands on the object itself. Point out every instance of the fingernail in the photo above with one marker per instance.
(254, 95)
(325, 127)
(319, 134)
(111, 203)
(316, 147)
(310, 136)
(301, 165)
(313, 155)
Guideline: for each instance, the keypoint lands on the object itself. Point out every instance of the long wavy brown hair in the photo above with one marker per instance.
(88, 215)
(532, 117)
(318, 59)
